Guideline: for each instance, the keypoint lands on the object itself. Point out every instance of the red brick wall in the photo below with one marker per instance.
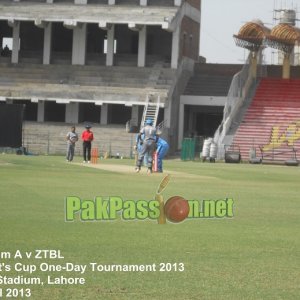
(194, 3)
(189, 38)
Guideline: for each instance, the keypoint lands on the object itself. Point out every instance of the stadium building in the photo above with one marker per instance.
(251, 111)
(261, 116)
(105, 62)
(115, 63)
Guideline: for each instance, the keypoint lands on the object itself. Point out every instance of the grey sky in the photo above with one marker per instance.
(223, 18)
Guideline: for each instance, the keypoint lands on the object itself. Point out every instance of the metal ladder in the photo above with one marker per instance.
(151, 109)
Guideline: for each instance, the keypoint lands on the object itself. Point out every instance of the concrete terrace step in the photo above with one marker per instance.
(268, 124)
(90, 82)
(273, 110)
(251, 136)
(278, 92)
(64, 91)
(276, 72)
(217, 69)
(109, 71)
(279, 84)
(281, 102)
(211, 79)
(268, 96)
(208, 85)
(270, 119)
(83, 81)
(280, 97)
(269, 114)
(279, 88)
(250, 139)
(284, 117)
(254, 130)
(73, 69)
(269, 105)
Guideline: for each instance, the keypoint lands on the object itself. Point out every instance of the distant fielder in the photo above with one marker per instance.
(72, 138)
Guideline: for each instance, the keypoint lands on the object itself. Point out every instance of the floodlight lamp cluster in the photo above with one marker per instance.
(251, 44)
(254, 35)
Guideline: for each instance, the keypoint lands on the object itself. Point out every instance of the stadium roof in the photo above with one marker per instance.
(102, 14)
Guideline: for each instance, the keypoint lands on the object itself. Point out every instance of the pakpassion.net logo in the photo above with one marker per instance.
(176, 209)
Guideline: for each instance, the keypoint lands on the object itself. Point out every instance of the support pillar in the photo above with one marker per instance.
(177, 2)
(253, 65)
(142, 46)
(41, 111)
(79, 44)
(175, 48)
(180, 125)
(47, 44)
(47, 27)
(72, 113)
(143, 3)
(286, 67)
(110, 45)
(135, 114)
(49, 1)
(16, 40)
(104, 114)
(111, 2)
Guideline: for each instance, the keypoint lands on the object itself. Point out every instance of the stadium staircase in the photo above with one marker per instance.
(271, 124)
(151, 109)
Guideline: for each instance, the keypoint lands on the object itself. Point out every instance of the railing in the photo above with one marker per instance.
(272, 153)
(47, 143)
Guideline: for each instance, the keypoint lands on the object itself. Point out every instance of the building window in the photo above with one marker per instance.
(30, 109)
(118, 114)
(54, 112)
(7, 41)
(105, 46)
(89, 112)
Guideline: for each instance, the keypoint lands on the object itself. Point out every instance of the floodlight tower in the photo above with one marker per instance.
(284, 37)
(251, 37)
(287, 16)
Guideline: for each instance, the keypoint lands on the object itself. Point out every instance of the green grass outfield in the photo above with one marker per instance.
(255, 255)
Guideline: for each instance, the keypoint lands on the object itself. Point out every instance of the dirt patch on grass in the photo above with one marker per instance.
(4, 163)
(110, 167)
(131, 170)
